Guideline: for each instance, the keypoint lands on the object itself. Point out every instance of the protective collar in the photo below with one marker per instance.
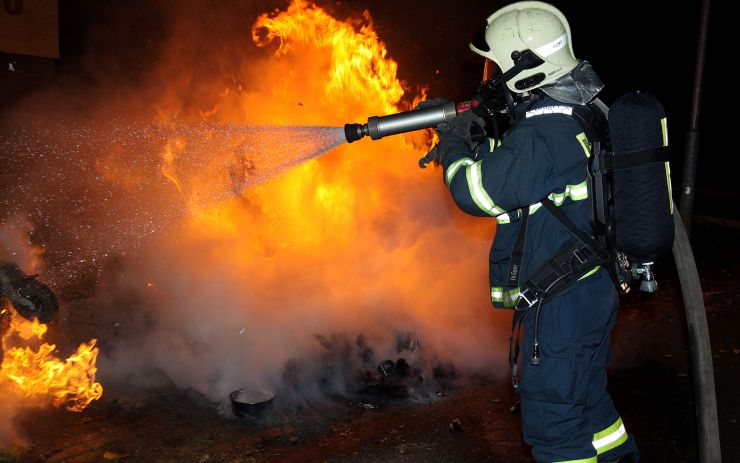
(579, 86)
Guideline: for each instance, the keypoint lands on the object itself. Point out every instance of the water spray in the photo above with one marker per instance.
(378, 127)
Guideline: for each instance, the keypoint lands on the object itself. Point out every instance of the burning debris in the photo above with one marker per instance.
(38, 374)
(30, 298)
(29, 367)
(394, 381)
(376, 382)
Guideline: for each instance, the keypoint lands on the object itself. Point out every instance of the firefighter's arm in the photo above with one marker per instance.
(515, 174)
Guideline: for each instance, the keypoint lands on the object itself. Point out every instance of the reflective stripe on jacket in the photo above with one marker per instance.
(541, 156)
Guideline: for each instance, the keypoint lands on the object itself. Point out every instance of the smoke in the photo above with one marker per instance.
(296, 284)
(11, 405)
(16, 246)
(8, 433)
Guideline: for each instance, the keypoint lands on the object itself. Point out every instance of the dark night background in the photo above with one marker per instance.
(633, 45)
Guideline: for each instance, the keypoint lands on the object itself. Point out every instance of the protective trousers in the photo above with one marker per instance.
(567, 414)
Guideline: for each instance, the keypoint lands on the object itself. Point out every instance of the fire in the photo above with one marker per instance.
(39, 374)
(357, 58)
(341, 72)
(171, 150)
(358, 240)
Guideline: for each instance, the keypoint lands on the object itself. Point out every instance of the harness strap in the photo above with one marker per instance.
(517, 253)
(592, 121)
(579, 234)
(638, 158)
(564, 268)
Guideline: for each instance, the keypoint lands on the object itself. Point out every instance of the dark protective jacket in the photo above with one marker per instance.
(544, 154)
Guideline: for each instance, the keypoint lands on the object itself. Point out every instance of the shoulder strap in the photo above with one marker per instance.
(593, 121)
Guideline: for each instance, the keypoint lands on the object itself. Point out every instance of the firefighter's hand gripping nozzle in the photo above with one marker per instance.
(378, 127)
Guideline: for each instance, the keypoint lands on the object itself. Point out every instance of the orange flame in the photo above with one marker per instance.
(342, 71)
(169, 156)
(358, 240)
(358, 59)
(39, 374)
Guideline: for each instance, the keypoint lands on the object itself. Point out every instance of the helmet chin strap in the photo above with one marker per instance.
(491, 90)
(523, 60)
(510, 103)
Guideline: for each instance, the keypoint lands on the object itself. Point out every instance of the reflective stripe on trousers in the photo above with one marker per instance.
(567, 414)
(611, 437)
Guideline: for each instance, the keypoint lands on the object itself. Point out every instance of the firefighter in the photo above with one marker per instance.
(541, 162)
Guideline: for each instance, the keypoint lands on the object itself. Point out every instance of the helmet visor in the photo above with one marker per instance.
(490, 70)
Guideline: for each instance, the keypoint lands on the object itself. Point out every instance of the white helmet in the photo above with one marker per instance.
(530, 42)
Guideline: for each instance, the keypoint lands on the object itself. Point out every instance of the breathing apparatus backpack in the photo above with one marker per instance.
(630, 208)
(630, 204)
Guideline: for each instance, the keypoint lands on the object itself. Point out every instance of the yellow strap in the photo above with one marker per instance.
(664, 127)
(583, 460)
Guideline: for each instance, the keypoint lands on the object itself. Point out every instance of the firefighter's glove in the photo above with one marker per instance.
(432, 155)
(442, 128)
(466, 132)
(490, 98)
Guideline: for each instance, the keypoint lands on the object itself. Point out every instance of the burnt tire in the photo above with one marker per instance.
(30, 298)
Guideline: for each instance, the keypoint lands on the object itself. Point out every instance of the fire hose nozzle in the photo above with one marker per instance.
(378, 127)
(354, 132)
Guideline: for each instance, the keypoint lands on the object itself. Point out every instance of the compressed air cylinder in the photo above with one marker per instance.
(643, 205)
